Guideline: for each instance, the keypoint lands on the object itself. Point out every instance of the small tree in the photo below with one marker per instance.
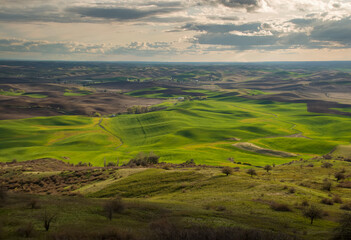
(339, 176)
(268, 168)
(312, 212)
(227, 170)
(252, 172)
(114, 206)
(47, 219)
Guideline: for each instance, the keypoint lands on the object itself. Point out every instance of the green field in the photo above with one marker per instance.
(203, 130)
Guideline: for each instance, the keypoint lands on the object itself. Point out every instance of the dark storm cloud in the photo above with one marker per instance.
(121, 14)
(333, 31)
(17, 11)
(312, 34)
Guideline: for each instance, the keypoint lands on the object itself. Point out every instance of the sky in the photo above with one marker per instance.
(176, 30)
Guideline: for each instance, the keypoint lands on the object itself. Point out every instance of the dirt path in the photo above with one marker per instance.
(115, 136)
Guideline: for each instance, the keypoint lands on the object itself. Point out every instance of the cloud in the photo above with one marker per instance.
(223, 28)
(121, 14)
(69, 48)
(249, 5)
(239, 41)
(26, 11)
(338, 31)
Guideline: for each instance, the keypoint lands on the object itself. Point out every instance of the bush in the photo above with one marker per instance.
(26, 231)
(144, 160)
(326, 165)
(190, 162)
(221, 208)
(305, 203)
(113, 206)
(346, 184)
(292, 190)
(281, 207)
(337, 199)
(327, 201)
(82, 234)
(33, 204)
(346, 206)
(227, 170)
(166, 231)
(343, 231)
(3, 193)
(111, 164)
(339, 176)
(326, 185)
(310, 165)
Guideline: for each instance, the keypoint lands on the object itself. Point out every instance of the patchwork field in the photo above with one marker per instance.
(203, 130)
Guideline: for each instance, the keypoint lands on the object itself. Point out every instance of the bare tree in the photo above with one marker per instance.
(48, 218)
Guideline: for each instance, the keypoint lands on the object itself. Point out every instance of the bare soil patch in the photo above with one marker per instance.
(17, 107)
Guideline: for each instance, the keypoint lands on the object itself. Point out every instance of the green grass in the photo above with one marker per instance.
(21, 93)
(199, 130)
(69, 93)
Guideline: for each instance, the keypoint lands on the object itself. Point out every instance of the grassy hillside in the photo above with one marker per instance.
(203, 130)
(271, 201)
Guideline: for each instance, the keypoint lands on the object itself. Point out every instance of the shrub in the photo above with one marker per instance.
(310, 165)
(343, 231)
(171, 232)
(144, 160)
(26, 231)
(346, 206)
(227, 170)
(327, 201)
(251, 172)
(346, 184)
(113, 206)
(33, 204)
(292, 190)
(189, 162)
(326, 185)
(305, 203)
(339, 176)
(3, 193)
(82, 234)
(221, 208)
(281, 207)
(326, 165)
(111, 164)
(268, 168)
(313, 212)
(337, 199)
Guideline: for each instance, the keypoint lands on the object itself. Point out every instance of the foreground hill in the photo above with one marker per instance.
(166, 195)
